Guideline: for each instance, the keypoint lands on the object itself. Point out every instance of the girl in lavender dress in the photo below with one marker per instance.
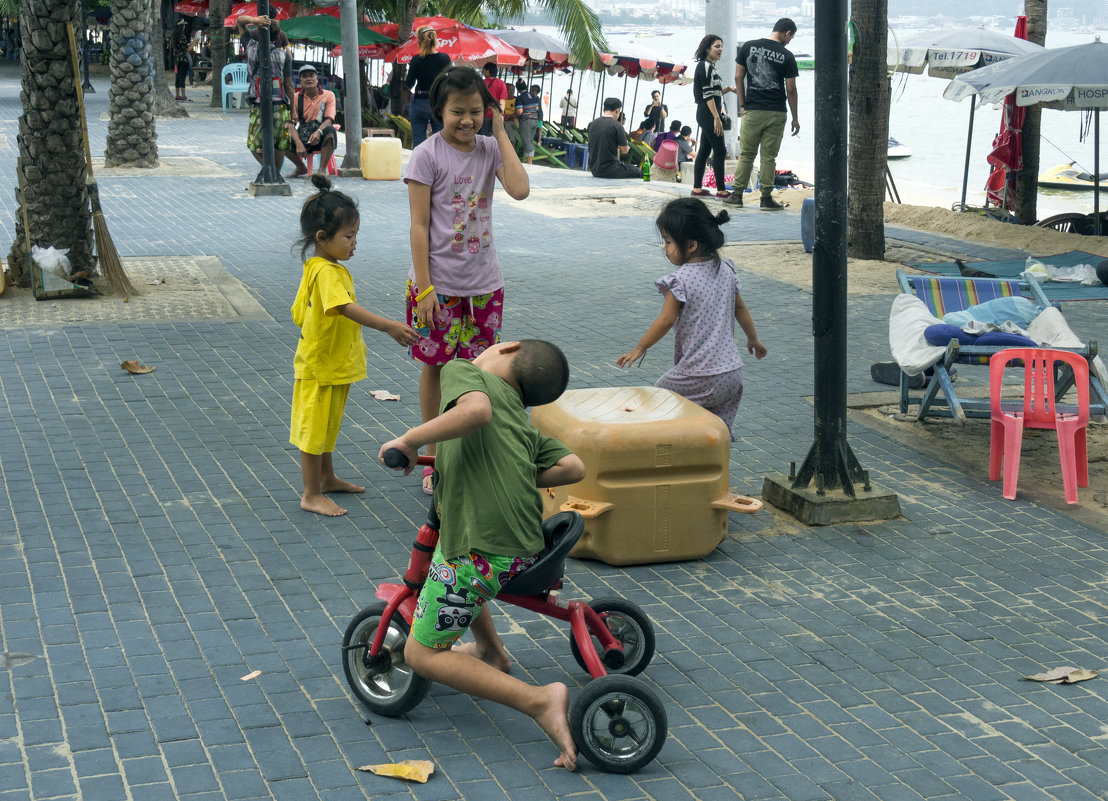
(702, 304)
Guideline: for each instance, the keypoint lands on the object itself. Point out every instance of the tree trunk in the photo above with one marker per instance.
(397, 87)
(51, 151)
(165, 104)
(869, 130)
(220, 41)
(1025, 182)
(132, 136)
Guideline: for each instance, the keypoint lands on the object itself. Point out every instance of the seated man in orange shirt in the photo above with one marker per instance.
(313, 106)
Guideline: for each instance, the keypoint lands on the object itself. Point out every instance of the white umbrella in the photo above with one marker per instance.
(946, 54)
(1068, 78)
(538, 45)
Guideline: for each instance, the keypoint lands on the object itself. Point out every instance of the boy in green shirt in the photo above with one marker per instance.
(490, 464)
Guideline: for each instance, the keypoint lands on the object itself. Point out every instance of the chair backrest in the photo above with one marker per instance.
(237, 71)
(1039, 407)
(942, 294)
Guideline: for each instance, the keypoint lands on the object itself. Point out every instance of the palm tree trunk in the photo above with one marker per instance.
(52, 155)
(869, 131)
(217, 12)
(165, 104)
(1025, 183)
(132, 136)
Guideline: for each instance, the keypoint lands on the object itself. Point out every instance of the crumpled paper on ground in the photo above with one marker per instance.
(383, 395)
(415, 770)
(1063, 675)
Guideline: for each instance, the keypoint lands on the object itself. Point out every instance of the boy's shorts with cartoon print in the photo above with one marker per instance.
(455, 592)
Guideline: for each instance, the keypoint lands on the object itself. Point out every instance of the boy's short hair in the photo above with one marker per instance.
(540, 370)
(784, 25)
(612, 104)
(686, 130)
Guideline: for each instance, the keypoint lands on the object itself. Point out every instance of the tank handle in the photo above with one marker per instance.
(738, 503)
(590, 510)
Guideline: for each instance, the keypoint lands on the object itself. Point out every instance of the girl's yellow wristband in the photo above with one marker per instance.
(425, 293)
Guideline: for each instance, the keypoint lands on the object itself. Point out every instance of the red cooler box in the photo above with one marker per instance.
(656, 489)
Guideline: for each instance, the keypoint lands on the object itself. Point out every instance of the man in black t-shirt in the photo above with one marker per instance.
(657, 111)
(607, 142)
(765, 79)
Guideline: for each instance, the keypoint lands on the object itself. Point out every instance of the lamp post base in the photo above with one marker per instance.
(270, 190)
(831, 506)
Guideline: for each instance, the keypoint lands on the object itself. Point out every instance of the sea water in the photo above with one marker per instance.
(935, 129)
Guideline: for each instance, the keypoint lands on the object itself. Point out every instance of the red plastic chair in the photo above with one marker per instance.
(1039, 411)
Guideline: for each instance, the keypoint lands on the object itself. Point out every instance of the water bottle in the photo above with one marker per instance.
(646, 169)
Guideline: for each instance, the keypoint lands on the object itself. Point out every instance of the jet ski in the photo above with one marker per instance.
(1066, 176)
(897, 150)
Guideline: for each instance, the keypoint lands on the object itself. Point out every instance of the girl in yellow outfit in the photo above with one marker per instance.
(331, 354)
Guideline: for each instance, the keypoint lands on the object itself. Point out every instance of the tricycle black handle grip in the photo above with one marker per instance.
(395, 458)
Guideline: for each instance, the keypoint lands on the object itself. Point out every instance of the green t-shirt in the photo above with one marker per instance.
(486, 496)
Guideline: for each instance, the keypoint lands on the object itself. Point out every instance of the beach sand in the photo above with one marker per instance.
(966, 447)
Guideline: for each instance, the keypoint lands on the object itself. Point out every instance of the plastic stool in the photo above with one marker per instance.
(332, 167)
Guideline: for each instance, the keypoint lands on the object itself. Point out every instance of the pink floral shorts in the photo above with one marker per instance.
(463, 328)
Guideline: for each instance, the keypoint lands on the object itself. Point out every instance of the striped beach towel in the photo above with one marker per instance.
(942, 295)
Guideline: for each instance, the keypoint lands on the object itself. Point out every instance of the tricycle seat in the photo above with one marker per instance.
(560, 533)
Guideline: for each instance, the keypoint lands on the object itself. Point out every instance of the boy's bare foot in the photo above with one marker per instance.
(553, 718)
(334, 484)
(299, 172)
(497, 659)
(321, 504)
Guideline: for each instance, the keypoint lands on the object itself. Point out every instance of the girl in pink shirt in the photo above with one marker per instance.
(455, 297)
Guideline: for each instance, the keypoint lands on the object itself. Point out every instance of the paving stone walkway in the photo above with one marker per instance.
(152, 551)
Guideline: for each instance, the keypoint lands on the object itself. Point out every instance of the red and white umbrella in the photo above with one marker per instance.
(1006, 156)
(463, 43)
(192, 8)
(278, 9)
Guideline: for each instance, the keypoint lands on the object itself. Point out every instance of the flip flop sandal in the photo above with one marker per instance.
(429, 472)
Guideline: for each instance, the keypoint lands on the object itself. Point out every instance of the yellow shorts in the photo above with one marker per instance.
(316, 415)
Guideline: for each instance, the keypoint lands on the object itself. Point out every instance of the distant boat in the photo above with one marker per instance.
(897, 150)
(1066, 176)
(805, 61)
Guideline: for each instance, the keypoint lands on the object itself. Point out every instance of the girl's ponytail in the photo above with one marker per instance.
(326, 211)
(688, 219)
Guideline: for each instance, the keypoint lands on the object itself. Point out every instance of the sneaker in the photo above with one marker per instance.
(723, 195)
(736, 199)
(700, 193)
(770, 203)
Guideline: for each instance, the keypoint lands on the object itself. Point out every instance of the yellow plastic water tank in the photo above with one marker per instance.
(656, 488)
(381, 158)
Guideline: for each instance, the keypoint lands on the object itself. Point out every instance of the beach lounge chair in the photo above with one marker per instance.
(554, 157)
(403, 130)
(927, 298)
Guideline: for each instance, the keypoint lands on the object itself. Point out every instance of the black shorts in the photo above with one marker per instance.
(326, 133)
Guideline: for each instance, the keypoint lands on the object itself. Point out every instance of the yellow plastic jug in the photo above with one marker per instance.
(381, 158)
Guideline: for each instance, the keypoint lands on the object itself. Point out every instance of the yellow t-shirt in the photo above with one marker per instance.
(331, 349)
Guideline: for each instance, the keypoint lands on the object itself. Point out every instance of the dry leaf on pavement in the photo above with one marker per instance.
(1067, 675)
(132, 366)
(416, 770)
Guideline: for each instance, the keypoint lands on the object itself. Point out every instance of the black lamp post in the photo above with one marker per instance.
(269, 181)
(86, 85)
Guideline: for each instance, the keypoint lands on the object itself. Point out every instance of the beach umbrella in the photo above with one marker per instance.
(325, 29)
(1068, 78)
(536, 46)
(278, 9)
(463, 43)
(192, 8)
(948, 53)
(1007, 153)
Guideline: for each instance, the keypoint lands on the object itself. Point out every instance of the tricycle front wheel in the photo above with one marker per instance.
(628, 624)
(385, 683)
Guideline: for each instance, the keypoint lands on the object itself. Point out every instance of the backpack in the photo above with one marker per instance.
(666, 157)
(277, 56)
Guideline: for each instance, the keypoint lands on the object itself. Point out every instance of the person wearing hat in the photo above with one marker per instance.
(315, 107)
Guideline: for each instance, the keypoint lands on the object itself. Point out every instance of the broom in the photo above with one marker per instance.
(110, 262)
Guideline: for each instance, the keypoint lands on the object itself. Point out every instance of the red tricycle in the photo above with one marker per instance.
(617, 721)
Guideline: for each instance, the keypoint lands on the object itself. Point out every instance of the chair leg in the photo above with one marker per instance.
(1081, 453)
(332, 166)
(996, 449)
(309, 159)
(1067, 455)
(1013, 442)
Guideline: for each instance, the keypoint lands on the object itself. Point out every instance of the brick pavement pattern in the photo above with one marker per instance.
(152, 550)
